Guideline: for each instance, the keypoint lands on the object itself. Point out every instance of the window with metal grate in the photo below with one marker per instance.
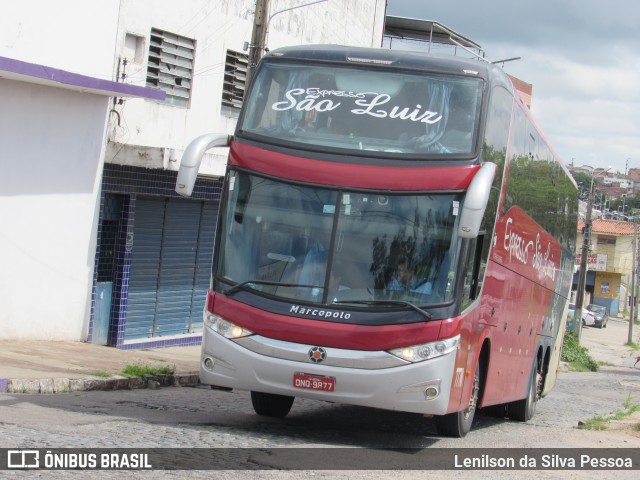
(171, 66)
(235, 76)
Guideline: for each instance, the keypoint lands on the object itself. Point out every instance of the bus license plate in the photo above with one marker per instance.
(314, 382)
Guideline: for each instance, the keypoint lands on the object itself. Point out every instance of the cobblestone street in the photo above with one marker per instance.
(190, 417)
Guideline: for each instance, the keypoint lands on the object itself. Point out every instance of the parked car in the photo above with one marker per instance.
(588, 317)
(601, 315)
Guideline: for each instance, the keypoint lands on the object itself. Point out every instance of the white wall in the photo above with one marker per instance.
(74, 35)
(52, 142)
(216, 27)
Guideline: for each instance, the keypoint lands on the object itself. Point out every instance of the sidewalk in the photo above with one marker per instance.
(55, 367)
(609, 345)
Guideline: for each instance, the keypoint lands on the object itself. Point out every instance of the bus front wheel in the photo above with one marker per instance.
(271, 405)
(458, 424)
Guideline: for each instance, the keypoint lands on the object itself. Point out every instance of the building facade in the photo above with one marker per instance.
(53, 123)
(147, 253)
(610, 260)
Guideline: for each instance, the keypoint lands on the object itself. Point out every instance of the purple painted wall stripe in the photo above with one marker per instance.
(34, 73)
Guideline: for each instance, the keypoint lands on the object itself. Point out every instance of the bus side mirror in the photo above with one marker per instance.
(192, 157)
(475, 202)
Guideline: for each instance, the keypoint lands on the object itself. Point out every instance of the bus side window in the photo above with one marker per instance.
(472, 285)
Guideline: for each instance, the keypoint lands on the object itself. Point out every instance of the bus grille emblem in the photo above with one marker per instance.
(317, 354)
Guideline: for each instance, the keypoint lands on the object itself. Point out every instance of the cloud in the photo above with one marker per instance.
(580, 56)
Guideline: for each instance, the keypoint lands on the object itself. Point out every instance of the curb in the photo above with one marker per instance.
(67, 385)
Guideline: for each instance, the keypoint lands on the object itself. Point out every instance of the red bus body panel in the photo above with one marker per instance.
(348, 175)
(331, 334)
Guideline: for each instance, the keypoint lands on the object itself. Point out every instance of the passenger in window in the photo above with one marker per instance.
(406, 279)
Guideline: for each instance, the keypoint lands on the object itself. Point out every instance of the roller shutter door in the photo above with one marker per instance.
(170, 267)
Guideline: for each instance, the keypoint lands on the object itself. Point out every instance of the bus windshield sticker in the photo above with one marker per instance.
(456, 207)
(232, 183)
(311, 103)
(329, 209)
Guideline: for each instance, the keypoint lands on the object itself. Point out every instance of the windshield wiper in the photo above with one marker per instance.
(388, 302)
(245, 285)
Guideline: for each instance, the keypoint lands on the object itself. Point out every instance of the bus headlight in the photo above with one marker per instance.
(225, 327)
(427, 351)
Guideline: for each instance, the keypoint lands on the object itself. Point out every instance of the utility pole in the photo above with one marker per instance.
(582, 276)
(635, 293)
(634, 272)
(258, 37)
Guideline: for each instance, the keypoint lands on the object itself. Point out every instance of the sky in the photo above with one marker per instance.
(581, 56)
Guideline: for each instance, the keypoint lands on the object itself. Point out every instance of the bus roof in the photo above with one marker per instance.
(447, 64)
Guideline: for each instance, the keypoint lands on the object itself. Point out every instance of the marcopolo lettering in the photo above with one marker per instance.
(316, 312)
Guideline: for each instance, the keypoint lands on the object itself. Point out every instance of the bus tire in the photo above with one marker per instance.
(523, 410)
(271, 405)
(458, 424)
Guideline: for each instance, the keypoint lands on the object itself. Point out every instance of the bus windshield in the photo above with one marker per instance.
(351, 108)
(327, 246)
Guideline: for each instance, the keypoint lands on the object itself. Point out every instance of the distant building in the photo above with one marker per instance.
(633, 174)
(610, 259)
(614, 192)
(600, 173)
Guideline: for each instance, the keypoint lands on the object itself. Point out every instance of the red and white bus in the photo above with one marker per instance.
(395, 232)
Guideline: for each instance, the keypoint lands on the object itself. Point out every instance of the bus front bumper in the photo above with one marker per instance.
(371, 379)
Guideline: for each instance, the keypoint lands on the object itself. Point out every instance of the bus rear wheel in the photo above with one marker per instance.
(458, 424)
(523, 410)
(271, 404)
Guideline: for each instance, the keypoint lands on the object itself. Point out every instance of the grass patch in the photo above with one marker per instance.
(602, 423)
(595, 423)
(146, 370)
(633, 345)
(100, 374)
(576, 355)
(605, 364)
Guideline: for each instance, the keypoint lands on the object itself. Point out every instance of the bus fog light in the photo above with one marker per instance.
(431, 392)
(209, 363)
(430, 389)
